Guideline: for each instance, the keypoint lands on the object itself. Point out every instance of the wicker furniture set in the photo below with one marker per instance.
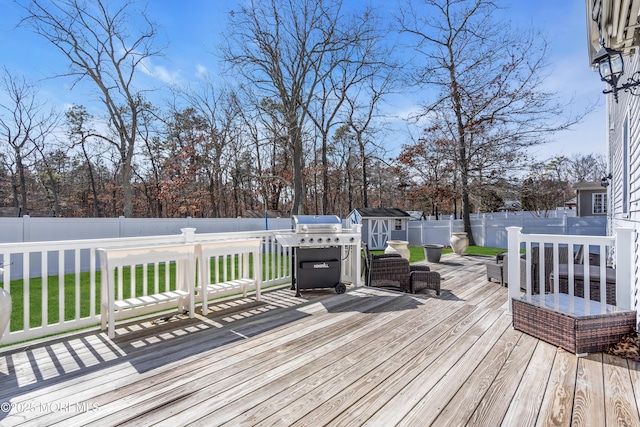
(393, 271)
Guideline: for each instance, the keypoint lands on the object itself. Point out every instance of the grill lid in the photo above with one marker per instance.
(316, 224)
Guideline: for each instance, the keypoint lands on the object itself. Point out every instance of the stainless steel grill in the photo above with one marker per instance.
(317, 242)
(316, 231)
(316, 224)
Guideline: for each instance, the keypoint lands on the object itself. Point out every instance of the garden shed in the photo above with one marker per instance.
(591, 198)
(380, 225)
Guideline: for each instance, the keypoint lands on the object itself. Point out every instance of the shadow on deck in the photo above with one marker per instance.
(367, 356)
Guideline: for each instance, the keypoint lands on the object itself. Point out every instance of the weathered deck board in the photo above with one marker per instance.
(621, 409)
(408, 363)
(367, 357)
(589, 397)
(525, 404)
(495, 403)
(556, 406)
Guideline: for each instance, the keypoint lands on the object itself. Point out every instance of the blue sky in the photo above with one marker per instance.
(192, 29)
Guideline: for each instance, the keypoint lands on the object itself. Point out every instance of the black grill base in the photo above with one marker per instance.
(315, 268)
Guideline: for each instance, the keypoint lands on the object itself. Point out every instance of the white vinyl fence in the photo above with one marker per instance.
(490, 230)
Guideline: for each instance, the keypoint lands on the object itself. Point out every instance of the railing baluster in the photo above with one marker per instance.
(156, 278)
(45, 288)
(61, 287)
(167, 276)
(145, 280)
(26, 290)
(120, 294)
(93, 282)
(76, 268)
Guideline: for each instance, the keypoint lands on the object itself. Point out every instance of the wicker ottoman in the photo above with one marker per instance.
(422, 278)
(570, 326)
(495, 271)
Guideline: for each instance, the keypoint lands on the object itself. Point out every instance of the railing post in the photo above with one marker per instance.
(513, 247)
(357, 228)
(188, 234)
(624, 262)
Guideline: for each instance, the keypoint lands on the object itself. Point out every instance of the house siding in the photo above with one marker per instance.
(624, 211)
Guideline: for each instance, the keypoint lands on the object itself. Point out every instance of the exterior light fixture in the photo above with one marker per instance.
(611, 67)
(605, 180)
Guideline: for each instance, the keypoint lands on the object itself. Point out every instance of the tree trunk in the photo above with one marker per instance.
(365, 184)
(127, 203)
(22, 182)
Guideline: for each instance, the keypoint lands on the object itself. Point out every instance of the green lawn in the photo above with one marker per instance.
(417, 252)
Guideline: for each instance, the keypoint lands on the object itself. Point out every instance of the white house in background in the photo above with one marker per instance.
(612, 27)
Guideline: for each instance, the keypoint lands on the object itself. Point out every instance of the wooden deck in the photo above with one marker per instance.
(367, 357)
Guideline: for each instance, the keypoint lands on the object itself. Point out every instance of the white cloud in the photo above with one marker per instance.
(201, 71)
(159, 72)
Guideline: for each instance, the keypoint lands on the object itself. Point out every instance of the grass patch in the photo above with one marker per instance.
(416, 253)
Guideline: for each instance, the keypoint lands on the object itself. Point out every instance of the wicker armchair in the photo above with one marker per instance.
(393, 271)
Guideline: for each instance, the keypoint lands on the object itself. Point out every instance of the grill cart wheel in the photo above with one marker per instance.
(341, 288)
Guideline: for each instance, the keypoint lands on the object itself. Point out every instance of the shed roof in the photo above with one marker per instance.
(382, 213)
(587, 185)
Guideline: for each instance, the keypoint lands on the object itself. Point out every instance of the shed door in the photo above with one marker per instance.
(379, 233)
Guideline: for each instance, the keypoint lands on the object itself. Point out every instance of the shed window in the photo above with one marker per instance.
(599, 203)
(398, 226)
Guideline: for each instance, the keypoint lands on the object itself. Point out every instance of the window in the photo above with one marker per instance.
(398, 226)
(599, 203)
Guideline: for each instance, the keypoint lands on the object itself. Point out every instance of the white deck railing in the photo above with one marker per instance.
(615, 250)
(57, 286)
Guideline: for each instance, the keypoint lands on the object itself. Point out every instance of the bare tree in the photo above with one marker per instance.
(362, 104)
(80, 132)
(353, 68)
(544, 190)
(587, 167)
(286, 49)
(431, 168)
(219, 111)
(491, 102)
(25, 125)
(94, 37)
(264, 126)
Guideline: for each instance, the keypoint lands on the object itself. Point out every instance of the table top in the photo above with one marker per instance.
(574, 306)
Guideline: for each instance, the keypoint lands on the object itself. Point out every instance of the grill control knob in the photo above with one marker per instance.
(319, 239)
(352, 239)
(311, 240)
(337, 239)
(302, 240)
